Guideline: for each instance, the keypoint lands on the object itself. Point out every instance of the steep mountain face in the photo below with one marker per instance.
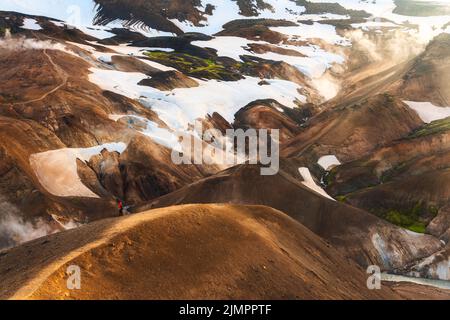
(353, 131)
(356, 233)
(427, 81)
(94, 98)
(386, 181)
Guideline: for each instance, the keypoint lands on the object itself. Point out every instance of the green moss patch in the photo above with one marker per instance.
(196, 66)
(435, 127)
(414, 219)
(406, 221)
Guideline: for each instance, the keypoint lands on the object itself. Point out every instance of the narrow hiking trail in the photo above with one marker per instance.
(61, 74)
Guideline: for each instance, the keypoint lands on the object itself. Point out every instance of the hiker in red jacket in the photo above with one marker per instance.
(120, 205)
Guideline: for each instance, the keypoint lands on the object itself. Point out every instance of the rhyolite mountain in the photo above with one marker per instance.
(92, 97)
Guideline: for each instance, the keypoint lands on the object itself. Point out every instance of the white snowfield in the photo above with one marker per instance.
(81, 14)
(329, 162)
(56, 170)
(120, 50)
(309, 182)
(316, 30)
(428, 112)
(171, 140)
(366, 26)
(31, 24)
(377, 7)
(382, 249)
(161, 136)
(229, 11)
(180, 107)
(428, 27)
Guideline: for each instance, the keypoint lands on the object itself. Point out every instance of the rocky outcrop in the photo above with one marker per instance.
(252, 8)
(154, 14)
(169, 80)
(267, 114)
(143, 172)
(256, 29)
(132, 64)
(107, 168)
(437, 266)
(440, 226)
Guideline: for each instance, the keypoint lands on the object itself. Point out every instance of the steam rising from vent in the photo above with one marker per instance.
(21, 44)
(399, 46)
(327, 86)
(7, 34)
(14, 230)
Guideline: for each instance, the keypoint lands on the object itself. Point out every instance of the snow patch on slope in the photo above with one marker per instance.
(313, 31)
(31, 24)
(57, 169)
(376, 8)
(123, 50)
(428, 112)
(161, 136)
(428, 27)
(226, 11)
(311, 184)
(366, 26)
(328, 162)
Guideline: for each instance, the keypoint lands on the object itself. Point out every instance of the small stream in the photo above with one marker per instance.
(441, 284)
